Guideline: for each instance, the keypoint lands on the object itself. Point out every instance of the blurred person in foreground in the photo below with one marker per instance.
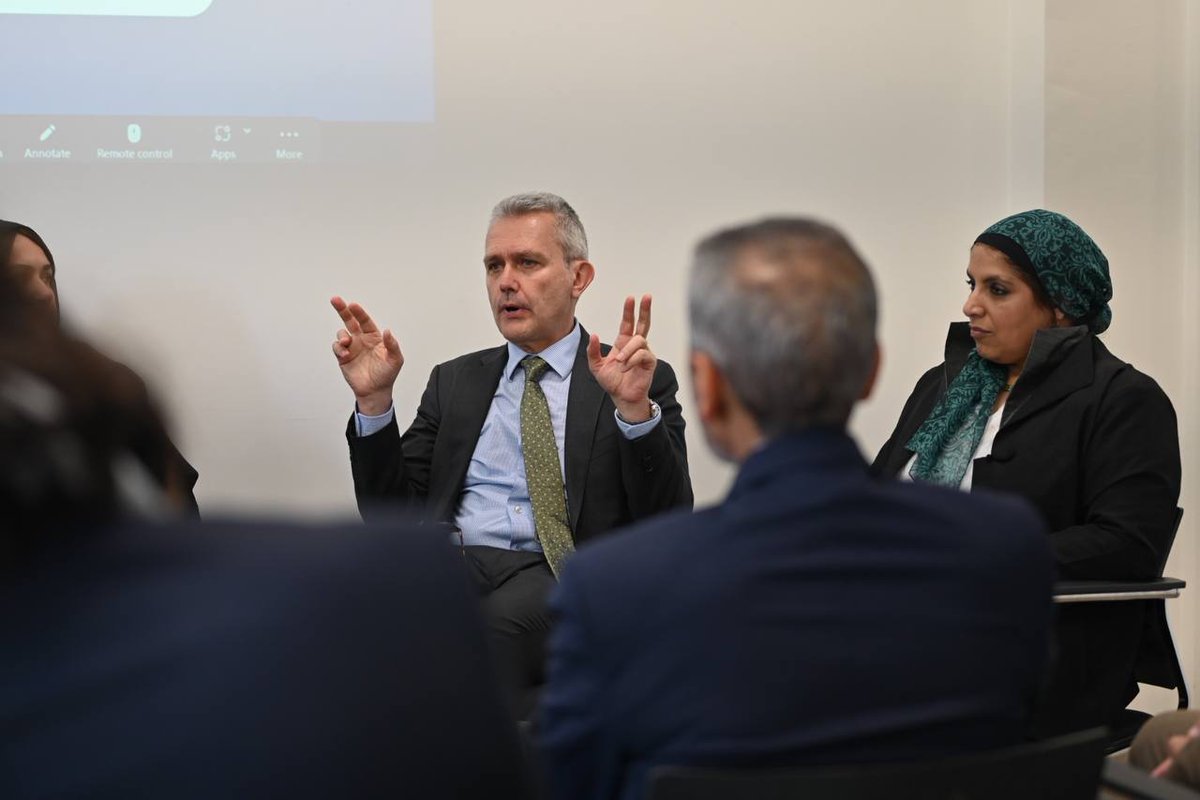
(191, 660)
(817, 615)
(26, 259)
(1028, 400)
(1168, 746)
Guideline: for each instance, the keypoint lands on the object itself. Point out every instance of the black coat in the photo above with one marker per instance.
(1093, 444)
(611, 481)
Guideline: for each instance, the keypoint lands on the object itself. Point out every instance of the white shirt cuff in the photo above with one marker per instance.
(368, 424)
(640, 429)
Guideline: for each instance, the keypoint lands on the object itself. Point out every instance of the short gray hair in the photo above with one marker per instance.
(571, 237)
(786, 308)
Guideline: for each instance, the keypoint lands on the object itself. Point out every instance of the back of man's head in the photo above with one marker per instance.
(786, 310)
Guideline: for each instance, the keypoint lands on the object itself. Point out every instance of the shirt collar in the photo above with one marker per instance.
(560, 355)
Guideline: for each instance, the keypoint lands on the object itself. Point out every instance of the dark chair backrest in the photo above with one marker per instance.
(1158, 661)
(1166, 553)
(1064, 768)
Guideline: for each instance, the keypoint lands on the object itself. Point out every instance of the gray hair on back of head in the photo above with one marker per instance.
(571, 237)
(786, 308)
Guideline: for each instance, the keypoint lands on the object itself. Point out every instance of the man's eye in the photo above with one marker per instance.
(528, 262)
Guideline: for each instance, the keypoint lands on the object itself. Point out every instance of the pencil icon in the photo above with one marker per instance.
(46, 134)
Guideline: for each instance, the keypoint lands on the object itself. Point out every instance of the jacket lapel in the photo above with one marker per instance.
(464, 412)
(959, 346)
(584, 400)
(954, 357)
(1059, 363)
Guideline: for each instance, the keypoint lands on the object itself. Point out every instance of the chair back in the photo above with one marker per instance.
(1157, 660)
(1166, 553)
(1064, 768)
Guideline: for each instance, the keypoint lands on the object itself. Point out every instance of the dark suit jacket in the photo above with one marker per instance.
(610, 480)
(1093, 444)
(816, 616)
(249, 660)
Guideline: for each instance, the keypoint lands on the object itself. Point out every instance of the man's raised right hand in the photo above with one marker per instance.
(370, 359)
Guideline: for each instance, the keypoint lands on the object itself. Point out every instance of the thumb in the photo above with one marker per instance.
(390, 343)
(595, 360)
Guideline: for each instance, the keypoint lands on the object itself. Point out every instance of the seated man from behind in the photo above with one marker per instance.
(183, 660)
(817, 615)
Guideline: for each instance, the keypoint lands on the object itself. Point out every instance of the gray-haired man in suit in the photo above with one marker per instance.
(526, 449)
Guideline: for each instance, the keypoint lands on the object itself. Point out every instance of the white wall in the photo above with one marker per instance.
(657, 120)
(911, 123)
(1121, 145)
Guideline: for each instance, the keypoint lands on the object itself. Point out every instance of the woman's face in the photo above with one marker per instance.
(32, 269)
(1003, 310)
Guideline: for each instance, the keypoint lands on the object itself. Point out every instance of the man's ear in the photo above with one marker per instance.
(708, 386)
(584, 274)
(1061, 319)
(873, 376)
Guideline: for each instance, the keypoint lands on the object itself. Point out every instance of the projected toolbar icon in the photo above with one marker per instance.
(47, 133)
(134, 133)
(107, 8)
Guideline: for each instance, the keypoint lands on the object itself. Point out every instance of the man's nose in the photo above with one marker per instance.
(508, 278)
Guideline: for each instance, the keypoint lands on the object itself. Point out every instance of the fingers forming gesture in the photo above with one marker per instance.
(625, 373)
(370, 359)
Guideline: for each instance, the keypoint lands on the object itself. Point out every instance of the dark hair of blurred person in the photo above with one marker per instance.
(71, 423)
(30, 268)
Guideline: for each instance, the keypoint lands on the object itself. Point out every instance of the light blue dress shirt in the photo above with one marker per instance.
(494, 508)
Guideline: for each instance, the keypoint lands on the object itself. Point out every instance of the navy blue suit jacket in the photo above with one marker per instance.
(249, 660)
(817, 616)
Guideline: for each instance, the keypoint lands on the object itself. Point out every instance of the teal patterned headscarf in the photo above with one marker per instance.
(1068, 264)
(1074, 273)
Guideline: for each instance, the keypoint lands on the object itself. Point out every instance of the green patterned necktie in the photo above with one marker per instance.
(542, 472)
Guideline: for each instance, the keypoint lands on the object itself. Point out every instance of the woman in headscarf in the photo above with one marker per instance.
(1028, 400)
(29, 268)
